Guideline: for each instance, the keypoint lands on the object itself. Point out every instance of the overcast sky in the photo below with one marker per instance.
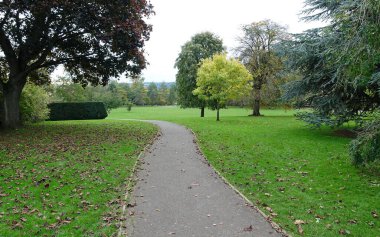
(176, 21)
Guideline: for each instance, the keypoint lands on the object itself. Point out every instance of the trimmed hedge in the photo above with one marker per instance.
(77, 111)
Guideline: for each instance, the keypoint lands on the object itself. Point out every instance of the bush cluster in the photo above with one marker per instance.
(34, 104)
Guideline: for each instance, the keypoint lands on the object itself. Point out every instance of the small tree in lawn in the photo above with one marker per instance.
(220, 79)
(201, 46)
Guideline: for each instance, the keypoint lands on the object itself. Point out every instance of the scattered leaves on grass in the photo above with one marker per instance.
(67, 174)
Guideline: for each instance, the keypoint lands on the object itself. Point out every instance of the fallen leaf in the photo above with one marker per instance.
(300, 230)
(374, 214)
(17, 225)
(353, 221)
(344, 232)
(281, 189)
(248, 229)
(299, 222)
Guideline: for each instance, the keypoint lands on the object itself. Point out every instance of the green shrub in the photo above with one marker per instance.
(77, 111)
(34, 104)
(365, 149)
(129, 105)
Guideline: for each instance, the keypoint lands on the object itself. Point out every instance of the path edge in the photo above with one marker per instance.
(123, 218)
(274, 225)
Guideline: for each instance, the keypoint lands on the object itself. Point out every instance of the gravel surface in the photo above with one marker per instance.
(179, 194)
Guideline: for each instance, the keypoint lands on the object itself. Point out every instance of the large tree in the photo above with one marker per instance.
(256, 52)
(95, 40)
(339, 63)
(201, 46)
(220, 80)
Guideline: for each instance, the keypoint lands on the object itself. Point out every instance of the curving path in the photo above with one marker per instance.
(178, 194)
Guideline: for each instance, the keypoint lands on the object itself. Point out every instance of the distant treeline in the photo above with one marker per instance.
(115, 94)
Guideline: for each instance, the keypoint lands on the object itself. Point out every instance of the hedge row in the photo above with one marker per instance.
(77, 111)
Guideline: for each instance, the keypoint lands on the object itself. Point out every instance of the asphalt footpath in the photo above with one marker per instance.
(178, 194)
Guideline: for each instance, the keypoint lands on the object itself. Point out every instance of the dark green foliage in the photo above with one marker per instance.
(340, 63)
(77, 111)
(201, 46)
(365, 150)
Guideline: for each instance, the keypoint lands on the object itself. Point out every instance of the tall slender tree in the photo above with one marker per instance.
(256, 52)
(152, 93)
(95, 40)
(201, 46)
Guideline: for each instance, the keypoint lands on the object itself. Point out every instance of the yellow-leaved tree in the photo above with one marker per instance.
(221, 79)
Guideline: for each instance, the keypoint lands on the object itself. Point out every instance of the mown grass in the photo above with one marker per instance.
(289, 170)
(67, 178)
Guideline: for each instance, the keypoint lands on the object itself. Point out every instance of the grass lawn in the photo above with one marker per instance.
(290, 171)
(67, 178)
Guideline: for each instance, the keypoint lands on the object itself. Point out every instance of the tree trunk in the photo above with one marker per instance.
(202, 112)
(217, 114)
(256, 102)
(11, 105)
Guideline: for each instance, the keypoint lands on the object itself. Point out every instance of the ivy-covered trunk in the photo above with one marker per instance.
(256, 101)
(10, 110)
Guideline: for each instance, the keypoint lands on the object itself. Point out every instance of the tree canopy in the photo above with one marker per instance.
(220, 80)
(201, 46)
(95, 40)
(340, 63)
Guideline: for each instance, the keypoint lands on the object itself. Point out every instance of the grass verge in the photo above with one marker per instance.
(67, 178)
(293, 173)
